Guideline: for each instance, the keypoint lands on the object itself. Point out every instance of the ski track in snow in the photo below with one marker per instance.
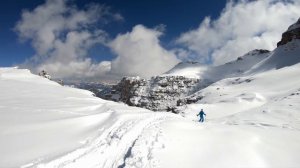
(118, 146)
(140, 154)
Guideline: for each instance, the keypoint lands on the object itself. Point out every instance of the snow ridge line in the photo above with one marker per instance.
(110, 148)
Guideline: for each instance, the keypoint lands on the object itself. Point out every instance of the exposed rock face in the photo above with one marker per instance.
(258, 52)
(253, 53)
(157, 94)
(130, 88)
(45, 74)
(293, 32)
(181, 85)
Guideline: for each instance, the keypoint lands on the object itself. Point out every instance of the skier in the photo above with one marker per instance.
(201, 114)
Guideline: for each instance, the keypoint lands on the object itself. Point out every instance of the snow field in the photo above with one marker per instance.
(43, 124)
(192, 145)
(111, 148)
(253, 120)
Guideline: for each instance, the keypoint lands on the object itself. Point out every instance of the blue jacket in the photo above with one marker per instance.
(201, 113)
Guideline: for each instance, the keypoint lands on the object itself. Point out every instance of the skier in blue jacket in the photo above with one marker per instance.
(201, 114)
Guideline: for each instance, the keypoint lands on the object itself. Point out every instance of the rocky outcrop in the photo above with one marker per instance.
(253, 53)
(160, 93)
(130, 88)
(45, 74)
(182, 85)
(293, 32)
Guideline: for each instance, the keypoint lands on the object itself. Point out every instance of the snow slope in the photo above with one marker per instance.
(252, 121)
(214, 73)
(283, 56)
(253, 115)
(41, 120)
(187, 69)
(254, 62)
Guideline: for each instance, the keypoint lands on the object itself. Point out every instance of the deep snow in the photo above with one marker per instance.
(249, 124)
(41, 120)
(253, 120)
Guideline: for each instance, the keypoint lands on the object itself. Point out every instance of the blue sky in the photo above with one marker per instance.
(178, 15)
(108, 39)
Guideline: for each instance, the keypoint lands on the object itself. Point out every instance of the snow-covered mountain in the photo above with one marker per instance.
(165, 92)
(212, 74)
(252, 121)
(283, 56)
(254, 62)
(293, 32)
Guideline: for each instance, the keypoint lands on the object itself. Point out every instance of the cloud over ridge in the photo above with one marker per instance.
(242, 26)
(140, 53)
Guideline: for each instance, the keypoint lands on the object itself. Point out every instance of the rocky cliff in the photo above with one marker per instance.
(293, 32)
(182, 84)
(158, 94)
(175, 88)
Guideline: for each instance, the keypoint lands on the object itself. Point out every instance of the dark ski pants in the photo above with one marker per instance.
(201, 119)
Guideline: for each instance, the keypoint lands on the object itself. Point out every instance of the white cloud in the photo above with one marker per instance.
(242, 26)
(84, 69)
(140, 53)
(62, 35)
